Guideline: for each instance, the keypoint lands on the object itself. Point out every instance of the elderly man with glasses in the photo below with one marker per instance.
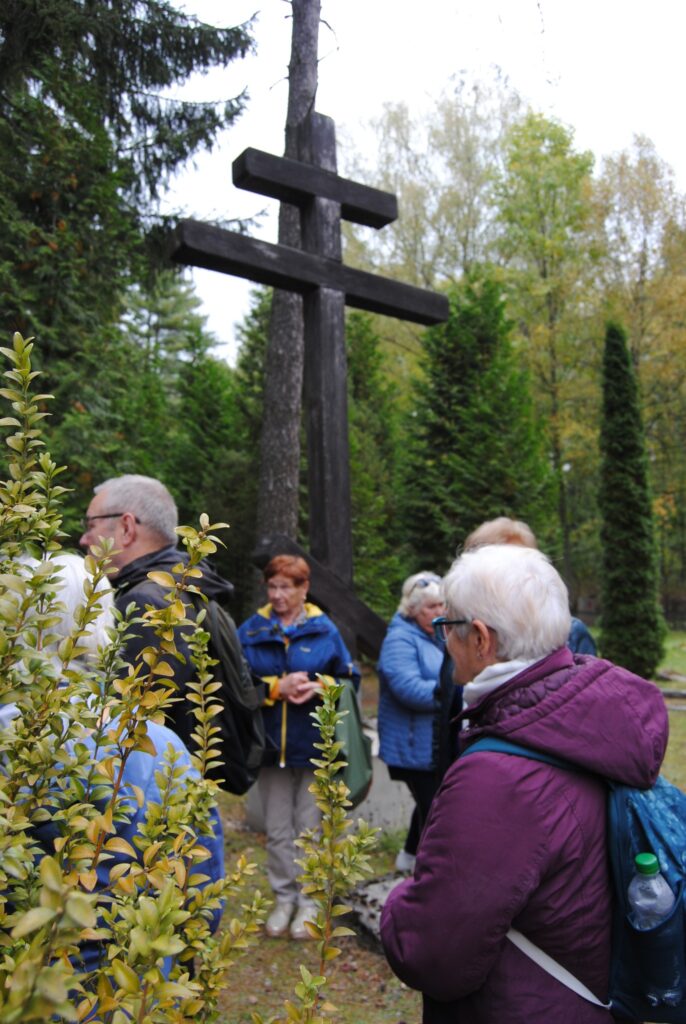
(140, 516)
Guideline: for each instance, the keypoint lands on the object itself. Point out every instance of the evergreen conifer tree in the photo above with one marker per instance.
(90, 136)
(475, 448)
(373, 434)
(633, 628)
(243, 453)
(157, 379)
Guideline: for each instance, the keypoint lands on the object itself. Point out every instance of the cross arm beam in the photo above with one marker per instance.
(202, 245)
(293, 182)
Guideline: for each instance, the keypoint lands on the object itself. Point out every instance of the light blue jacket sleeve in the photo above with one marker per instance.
(410, 664)
(141, 769)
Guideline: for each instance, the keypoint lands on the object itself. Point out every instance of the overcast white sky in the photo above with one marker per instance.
(608, 68)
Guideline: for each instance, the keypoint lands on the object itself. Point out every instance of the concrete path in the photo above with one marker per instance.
(388, 804)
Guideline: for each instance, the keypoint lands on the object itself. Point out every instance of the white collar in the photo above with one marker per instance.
(492, 677)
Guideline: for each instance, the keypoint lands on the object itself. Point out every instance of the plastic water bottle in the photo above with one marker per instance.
(650, 898)
(650, 902)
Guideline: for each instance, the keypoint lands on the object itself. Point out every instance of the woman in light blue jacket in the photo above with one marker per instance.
(409, 698)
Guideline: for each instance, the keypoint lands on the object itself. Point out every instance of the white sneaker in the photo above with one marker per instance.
(278, 920)
(405, 861)
(307, 912)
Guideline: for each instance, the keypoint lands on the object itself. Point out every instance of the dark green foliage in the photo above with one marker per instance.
(632, 626)
(475, 449)
(373, 432)
(126, 393)
(69, 246)
(243, 451)
(156, 401)
(88, 141)
(105, 63)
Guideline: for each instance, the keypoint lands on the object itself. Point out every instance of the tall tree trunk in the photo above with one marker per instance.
(277, 503)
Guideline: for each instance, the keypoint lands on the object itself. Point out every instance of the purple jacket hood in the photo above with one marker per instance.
(582, 709)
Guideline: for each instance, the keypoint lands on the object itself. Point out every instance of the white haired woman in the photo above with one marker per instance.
(513, 842)
(409, 698)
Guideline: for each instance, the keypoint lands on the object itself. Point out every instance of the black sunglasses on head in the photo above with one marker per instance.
(424, 581)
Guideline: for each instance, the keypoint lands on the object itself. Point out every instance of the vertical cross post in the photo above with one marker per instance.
(325, 376)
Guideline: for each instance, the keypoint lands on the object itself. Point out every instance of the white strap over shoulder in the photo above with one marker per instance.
(553, 968)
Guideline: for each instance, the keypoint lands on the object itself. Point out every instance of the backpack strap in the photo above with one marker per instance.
(500, 746)
(524, 945)
(552, 967)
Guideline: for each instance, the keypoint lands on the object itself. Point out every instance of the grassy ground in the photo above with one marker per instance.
(671, 677)
(361, 984)
(674, 661)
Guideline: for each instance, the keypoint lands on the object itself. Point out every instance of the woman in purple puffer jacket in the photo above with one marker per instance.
(516, 843)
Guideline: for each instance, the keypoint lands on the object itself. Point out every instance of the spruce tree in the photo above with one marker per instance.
(475, 449)
(632, 626)
(374, 441)
(158, 379)
(242, 470)
(89, 136)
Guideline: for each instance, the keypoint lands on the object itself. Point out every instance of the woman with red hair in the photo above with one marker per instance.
(297, 650)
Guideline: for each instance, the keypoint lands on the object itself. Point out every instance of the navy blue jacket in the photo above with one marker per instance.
(580, 640)
(313, 646)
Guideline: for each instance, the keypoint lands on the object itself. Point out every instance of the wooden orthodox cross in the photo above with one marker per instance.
(317, 272)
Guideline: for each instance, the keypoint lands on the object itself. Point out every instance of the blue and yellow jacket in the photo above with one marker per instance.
(313, 646)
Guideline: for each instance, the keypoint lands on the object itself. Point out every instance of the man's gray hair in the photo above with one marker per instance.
(147, 498)
(418, 590)
(517, 592)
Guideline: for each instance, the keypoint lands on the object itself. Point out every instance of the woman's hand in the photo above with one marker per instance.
(297, 687)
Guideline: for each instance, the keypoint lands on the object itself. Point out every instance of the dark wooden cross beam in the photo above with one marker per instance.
(291, 181)
(316, 271)
(203, 245)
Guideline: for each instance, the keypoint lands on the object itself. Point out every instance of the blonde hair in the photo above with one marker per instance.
(501, 530)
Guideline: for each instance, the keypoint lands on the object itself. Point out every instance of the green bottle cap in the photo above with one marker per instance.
(647, 864)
